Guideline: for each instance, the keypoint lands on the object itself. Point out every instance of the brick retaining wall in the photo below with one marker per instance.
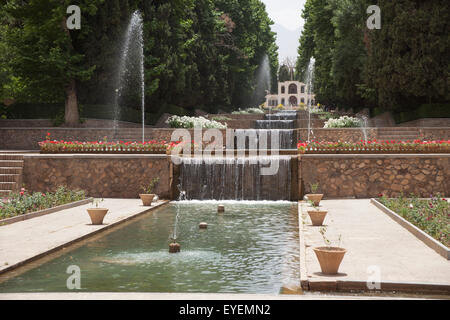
(366, 176)
(108, 176)
(339, 176)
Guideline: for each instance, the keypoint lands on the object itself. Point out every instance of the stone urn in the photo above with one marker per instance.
(97, 215)
(330, 258)
(317, 216)
(315, 197)
(147, 199)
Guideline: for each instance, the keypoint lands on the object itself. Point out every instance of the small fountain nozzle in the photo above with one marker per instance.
(174, 247)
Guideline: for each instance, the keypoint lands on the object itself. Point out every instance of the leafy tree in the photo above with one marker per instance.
(284, 74)
(408, 61)
(45, 56)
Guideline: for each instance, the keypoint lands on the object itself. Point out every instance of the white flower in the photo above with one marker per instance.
(194, 122)
(343, 122)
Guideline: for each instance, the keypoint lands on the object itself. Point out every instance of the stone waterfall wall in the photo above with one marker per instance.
(339, 176)
(108, 176)
(366, 176)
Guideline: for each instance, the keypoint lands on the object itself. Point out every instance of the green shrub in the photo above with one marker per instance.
(431, 215)
(435, 110)
(221, 119)
(24, 202)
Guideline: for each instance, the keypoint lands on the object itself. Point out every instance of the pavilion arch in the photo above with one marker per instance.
(292, 88)
(293, 101)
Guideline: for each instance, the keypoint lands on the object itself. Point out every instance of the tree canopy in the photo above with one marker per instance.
(199, 54)
(401, 66)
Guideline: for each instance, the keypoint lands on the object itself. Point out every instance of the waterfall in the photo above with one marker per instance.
(275, 124)
(254, 139)
(235, 178)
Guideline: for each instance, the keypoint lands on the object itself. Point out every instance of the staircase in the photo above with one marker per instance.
(398, 134)
(11, 167)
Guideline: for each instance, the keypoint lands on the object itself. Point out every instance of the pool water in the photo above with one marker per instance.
(251, 248)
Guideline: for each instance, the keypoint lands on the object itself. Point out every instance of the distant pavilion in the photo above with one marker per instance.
(290, 94)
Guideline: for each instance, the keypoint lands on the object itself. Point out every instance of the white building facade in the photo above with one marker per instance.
(290, 94)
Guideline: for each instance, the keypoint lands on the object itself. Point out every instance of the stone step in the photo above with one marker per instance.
(4, 156)
(11, 170)
(9, 177)
(11, 163)
(8, 185)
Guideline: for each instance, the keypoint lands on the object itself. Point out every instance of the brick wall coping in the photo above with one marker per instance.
(376, 156)
(386, 128)
(95, 156)
(171, 129)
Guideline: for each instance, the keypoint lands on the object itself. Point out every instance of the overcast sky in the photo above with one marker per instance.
(286, 12)
(288, 24)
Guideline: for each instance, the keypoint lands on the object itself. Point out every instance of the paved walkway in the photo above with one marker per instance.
(183, 296)
(373, 240)
(25, 240)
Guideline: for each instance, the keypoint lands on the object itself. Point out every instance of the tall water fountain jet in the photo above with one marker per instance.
(364, 125)
(310, 89)
(131, 63)
(263, 80)
(174, 246)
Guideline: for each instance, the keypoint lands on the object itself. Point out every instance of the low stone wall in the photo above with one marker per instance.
(47, 123)
(28, 138)
(345, 134)
(366, 176)
(439, 133)
(239, 124)
(108, 176)
(356, 134)
(339, 176)
(250, 116)
(427, 122)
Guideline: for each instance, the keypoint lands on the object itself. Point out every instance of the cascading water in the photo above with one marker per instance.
(254, 139)
(131, 63)
(275, 124)
(310, 89)
(235, 178)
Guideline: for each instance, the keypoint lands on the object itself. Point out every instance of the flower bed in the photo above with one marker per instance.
(194, 122)
(370, 147)
(343, 122)
(250, 111)
(105, 147)
(150, 147)
(24, 202)
(430, 215)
